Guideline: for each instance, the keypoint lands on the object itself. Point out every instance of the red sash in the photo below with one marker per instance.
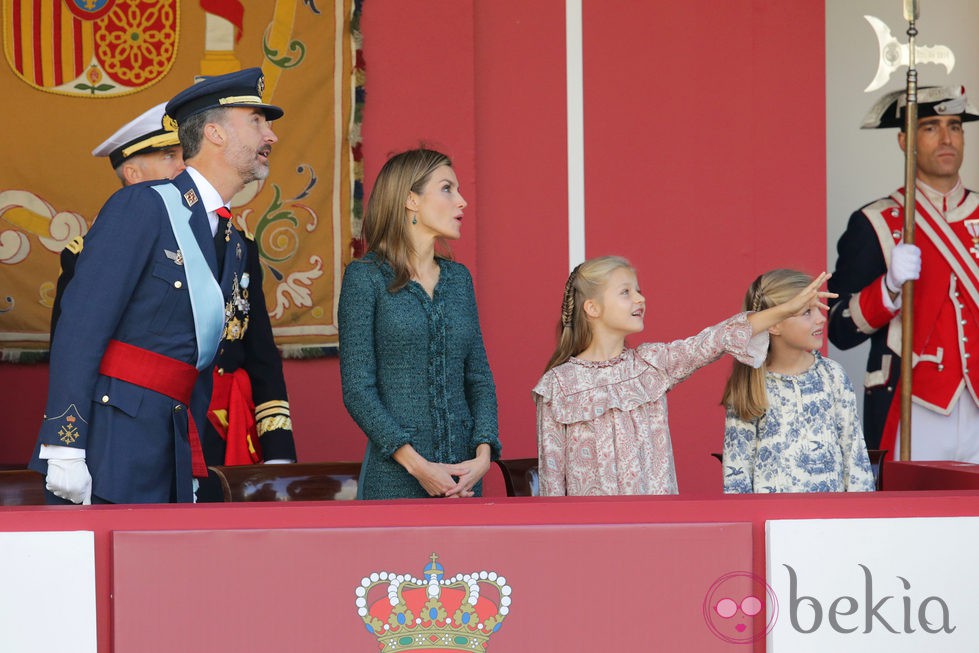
(159, 373)
(232, 414)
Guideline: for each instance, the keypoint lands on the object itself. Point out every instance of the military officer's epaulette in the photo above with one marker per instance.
(76, 244)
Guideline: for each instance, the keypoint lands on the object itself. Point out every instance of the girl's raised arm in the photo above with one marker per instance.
(811, 296)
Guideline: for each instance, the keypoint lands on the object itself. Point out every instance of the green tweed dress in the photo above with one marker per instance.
(414, 371)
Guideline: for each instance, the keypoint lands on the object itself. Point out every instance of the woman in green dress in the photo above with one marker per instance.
(412, 362)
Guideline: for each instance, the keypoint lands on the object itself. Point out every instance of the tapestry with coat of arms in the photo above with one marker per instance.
(74, 71)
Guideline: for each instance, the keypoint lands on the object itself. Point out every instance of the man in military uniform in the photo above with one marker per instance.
(144, 315)
(874, 263)
(248, 368)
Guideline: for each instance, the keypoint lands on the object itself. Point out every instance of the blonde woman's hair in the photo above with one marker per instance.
(585, 282)
(386, 218)
(745, 390)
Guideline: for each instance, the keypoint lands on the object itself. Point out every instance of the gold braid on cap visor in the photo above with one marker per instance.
(160, 140)
(241, 99)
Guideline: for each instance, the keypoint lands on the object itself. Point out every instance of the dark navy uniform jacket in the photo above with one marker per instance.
(861, 263)
(129, 285)
(255, 352)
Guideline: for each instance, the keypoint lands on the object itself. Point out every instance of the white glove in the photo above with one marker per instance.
(70, 480)
(905, 266)
(278, 461)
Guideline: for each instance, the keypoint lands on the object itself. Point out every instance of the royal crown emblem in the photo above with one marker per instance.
(434, 613)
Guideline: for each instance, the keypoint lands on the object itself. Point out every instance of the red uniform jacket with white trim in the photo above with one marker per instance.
(946, 304)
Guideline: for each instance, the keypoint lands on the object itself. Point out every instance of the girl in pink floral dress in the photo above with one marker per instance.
(601, 407)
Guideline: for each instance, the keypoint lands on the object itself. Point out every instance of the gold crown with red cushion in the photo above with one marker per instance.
(433, 613)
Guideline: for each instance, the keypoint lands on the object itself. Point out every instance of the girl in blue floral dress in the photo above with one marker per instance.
(792, 425)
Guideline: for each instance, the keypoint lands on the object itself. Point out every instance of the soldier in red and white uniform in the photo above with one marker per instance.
(873, 264)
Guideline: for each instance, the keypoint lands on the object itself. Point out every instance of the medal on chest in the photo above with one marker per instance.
(972, 226)
(236, 310)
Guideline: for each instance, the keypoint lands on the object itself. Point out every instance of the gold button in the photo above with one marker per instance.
(177, 284)
(178, 408)
(221, 371)
(105, 399)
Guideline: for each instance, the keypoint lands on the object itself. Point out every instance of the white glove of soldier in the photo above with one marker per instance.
(905, 266)
(69, 479)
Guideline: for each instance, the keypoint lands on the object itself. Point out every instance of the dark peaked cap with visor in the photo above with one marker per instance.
(888, 111)
(242, 88)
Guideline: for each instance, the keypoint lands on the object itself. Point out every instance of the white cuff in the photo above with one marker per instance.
(758, 349)
(57, 452)
(890, 304)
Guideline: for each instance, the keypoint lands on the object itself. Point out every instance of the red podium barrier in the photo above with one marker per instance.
(930, 475)
(654, 553)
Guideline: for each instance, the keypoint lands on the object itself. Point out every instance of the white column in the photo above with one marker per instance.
(576, 135)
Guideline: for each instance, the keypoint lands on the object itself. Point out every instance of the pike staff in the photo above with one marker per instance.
(910, 174)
